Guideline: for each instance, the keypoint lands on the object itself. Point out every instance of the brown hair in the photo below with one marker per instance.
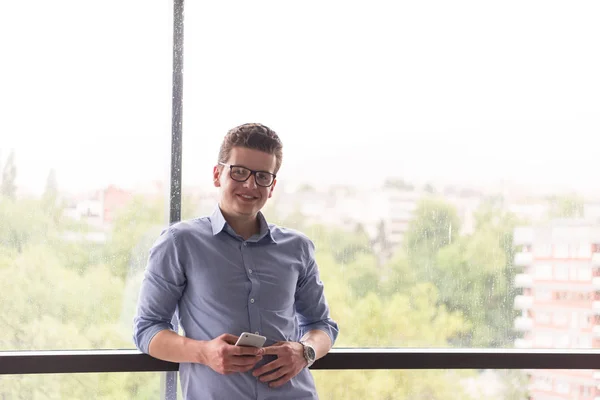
(252, 136)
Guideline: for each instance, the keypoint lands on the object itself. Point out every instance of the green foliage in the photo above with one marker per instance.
(8, 187)
(24, 222)
(343, 245)
(435, 225)
(396, 183)
(566, 206)
(474, 274)
(60, 293)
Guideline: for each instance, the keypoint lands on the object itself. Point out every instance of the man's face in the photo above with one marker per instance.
(244, 199)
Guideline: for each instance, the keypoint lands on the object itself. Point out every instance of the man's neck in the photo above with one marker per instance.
(245, 227)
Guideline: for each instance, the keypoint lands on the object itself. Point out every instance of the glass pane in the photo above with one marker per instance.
(438, 153)
(109, 386)
(84, 160)
(457, 384)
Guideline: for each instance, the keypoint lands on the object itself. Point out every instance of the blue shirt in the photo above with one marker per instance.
(221, 283)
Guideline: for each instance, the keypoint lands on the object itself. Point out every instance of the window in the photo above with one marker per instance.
(543, 339)
(373, 101)
(584, 250)
(543, 272)
(84, 153)
(573, 275)
(560, 318)
(543, 294)
(561, 272)
(543, 317)
(561, 251)
(562, 387)
(584, 273)
(543, 250)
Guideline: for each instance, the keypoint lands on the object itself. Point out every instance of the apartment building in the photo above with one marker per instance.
(560, 301)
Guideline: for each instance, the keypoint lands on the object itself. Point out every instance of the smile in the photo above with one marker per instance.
(247, 197)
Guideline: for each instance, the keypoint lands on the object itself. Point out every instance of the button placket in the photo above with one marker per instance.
(254, 315)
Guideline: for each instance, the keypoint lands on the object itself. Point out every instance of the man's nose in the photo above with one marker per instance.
(250, 182)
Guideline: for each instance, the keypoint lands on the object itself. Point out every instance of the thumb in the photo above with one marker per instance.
(228, 338)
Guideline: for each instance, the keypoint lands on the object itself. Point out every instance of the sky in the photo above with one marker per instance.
(463, 91)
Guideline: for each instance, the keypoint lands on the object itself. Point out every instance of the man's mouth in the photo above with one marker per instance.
(247, 197)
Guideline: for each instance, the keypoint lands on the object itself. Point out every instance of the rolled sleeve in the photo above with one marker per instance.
(311, 306)
(162, 286)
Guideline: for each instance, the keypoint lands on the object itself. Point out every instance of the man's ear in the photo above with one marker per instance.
(217, 176)
(272, 188)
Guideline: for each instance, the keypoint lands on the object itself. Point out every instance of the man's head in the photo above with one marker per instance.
(252, 136)
(249, 159)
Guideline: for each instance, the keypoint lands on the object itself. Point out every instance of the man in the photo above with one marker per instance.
(231, 273)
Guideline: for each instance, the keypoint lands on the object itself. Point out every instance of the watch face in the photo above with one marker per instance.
(310, 352)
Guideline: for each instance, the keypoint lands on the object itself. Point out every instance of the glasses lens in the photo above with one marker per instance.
(264, 179)
(239, 173)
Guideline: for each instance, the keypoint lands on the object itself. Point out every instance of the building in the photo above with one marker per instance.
(559, 304)
(99, 207)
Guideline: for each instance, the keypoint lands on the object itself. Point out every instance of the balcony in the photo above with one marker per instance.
(596, 306)
(523, 324)
(523, 259)
(596, 282)
(523, 302)
(525, 281)
(596, 260)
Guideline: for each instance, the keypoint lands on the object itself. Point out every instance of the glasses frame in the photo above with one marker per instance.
(252, 172)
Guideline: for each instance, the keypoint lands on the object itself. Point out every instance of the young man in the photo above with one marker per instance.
(231, 273)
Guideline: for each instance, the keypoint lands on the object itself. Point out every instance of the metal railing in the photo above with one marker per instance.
(67, 362)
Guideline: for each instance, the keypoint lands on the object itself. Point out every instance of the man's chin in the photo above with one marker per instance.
(246, 210)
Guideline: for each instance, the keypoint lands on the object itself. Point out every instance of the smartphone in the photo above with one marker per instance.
(250, 339)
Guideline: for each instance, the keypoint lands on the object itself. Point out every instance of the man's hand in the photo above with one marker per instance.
(224, 357)
(290, 361)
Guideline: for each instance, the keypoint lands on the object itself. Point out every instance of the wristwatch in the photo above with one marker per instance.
(309, 353)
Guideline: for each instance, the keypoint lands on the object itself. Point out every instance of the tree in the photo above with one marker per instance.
(435, 225)
(474, 274)
(429, 188)
(47, 304)
(8, 187)
(381, 244)
(397, 183)
(567, 206)
(51, 190)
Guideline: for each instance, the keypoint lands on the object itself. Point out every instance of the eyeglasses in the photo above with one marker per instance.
(241, 174)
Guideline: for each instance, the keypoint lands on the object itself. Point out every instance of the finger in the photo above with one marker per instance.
(268, 367)
(244, 351)
(281, 381)
(274, 349)
(244, 361)
(273, 376)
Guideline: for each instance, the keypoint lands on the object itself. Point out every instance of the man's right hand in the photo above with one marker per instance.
(223, 356)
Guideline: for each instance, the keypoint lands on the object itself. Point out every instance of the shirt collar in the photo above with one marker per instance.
(218, 223)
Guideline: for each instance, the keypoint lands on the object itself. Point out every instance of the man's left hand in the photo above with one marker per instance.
(290, 361)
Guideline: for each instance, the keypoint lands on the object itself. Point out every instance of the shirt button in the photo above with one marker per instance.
(256, 333)
(249, 271)
(245, 243)
(251, 300)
